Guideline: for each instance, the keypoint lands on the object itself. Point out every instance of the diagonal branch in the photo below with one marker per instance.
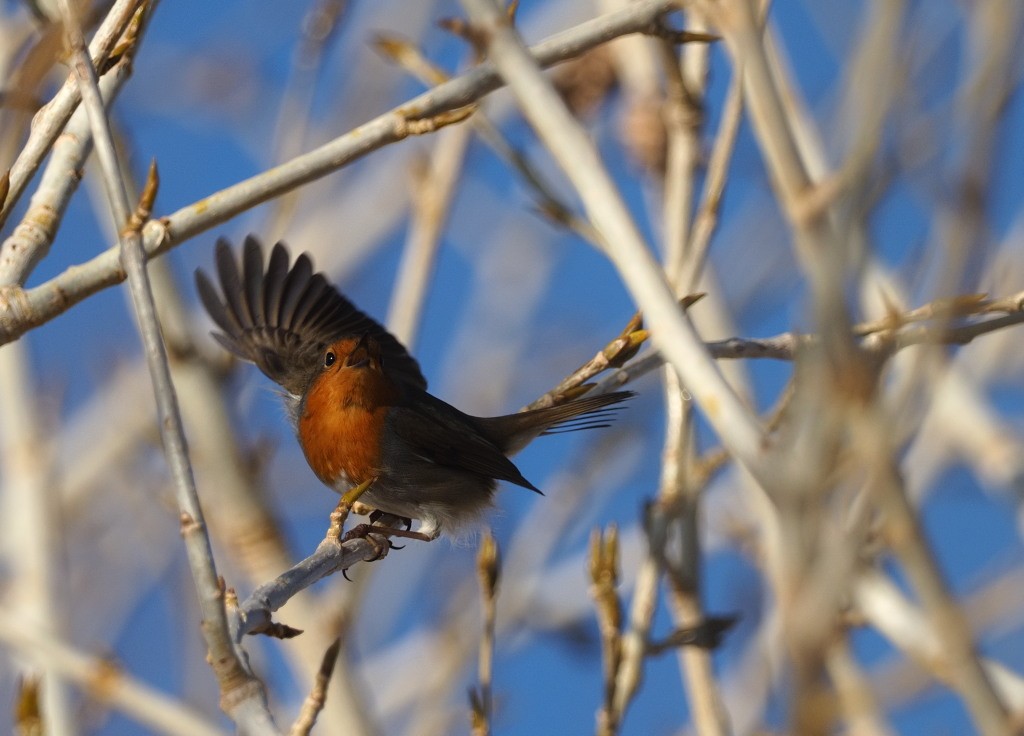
(51, 119)
(579, 159)
(21, 310)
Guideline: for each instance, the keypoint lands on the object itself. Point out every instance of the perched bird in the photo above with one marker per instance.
(359, 402)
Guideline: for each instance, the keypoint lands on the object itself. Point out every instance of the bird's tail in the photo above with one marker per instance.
(513, 432)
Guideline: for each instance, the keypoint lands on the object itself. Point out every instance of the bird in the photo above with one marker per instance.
(358, 400)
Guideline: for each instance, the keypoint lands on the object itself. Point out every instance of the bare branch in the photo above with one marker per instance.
(576, 154)
(330, 556)
(22, 310)
(242, 695)
(50, 120)
(314, 702)
(103, 681)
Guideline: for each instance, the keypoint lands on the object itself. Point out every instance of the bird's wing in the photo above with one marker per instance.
(442, 434)
(283, 317)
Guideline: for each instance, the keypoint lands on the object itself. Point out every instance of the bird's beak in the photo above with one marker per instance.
(360, 356)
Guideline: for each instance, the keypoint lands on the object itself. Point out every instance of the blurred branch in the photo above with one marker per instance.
(992, 78)
(706, 220)
(433, 192)
(103, 681)
(35, 579)
(579, 159)
(634, 641)
(914, 632)
(818, 247)
(50, 120)
(30, 242)
(549, 204)
(683, 115)
(488, 564)
(242, 696)
(21, 310)
(320, 28)
(993, 608)
(883, 337)
(604, 578)
(858, 703)
(314, 702)
(680, 492)
(903, 531)
(678, 509)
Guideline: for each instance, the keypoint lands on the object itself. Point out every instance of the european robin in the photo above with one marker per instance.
(358, 399)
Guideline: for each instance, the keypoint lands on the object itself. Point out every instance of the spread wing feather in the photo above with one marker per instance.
(282, 319)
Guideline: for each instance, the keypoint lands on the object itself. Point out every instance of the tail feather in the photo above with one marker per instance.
(577, 427)
(513, 432)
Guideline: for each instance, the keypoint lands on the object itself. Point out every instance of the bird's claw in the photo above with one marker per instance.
(372, 535)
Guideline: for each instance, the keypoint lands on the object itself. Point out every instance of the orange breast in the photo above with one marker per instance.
(341, 425)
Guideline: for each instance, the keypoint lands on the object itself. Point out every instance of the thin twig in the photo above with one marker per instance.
(604, 581)
(488, 564)
(787, 346)
(242, 695)
(432, 199)
(613, 355)
(314, 702)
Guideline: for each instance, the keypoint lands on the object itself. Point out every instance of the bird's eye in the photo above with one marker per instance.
(329, 359)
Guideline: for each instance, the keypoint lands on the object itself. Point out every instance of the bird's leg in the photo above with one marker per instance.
(377, 514)
(344, 507)
(352, 495)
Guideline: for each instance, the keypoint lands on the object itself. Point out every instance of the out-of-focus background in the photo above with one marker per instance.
(909, 116)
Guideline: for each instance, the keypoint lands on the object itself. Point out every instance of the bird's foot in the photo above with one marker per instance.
(374, 532)
(373, 535)
(363, 531)
(377, 515)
